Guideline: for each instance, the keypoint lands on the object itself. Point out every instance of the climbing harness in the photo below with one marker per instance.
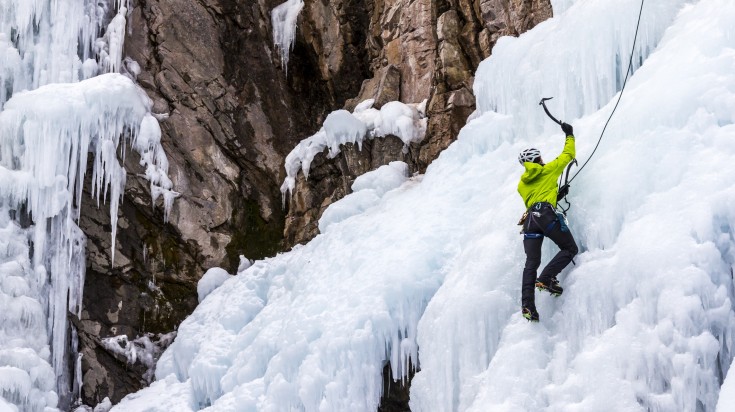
(533, 213)
(564, 188)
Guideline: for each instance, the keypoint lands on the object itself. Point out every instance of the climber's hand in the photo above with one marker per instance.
(568, 129)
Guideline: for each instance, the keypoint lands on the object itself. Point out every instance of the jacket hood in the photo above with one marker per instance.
(532, 171)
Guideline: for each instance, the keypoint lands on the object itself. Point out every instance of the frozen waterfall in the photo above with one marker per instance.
(55, 117)
(425, 271)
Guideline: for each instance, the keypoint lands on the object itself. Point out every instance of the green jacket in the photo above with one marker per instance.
(539, 183)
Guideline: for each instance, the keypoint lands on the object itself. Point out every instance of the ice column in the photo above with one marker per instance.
(36, 50)
(51, 119)
(110, 46)
(45, 138)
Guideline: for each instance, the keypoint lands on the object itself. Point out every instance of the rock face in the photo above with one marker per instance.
(232, 115)
(418, 50)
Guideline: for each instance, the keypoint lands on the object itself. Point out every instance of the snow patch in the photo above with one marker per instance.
(367, 191)
(342, 127)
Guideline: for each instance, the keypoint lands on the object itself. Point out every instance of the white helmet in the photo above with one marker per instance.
(529, 155)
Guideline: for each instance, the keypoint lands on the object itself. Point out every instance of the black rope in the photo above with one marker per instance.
(630, 66)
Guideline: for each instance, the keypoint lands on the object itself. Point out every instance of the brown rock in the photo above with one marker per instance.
(233, 116)
(512, 17)
(418, 50)
(393, 54)
(461, 98)
(384, 88)
(454, 64)
(485, 42)
(447, 26)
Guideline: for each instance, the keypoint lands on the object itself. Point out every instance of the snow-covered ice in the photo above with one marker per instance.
(367, 190)
(646, 321)
(145, 349)
(211, 280)
(405, 121)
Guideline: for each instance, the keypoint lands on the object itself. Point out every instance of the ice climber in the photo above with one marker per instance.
(538, 188)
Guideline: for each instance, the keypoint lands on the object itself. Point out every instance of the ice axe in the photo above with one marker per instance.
(546, 109)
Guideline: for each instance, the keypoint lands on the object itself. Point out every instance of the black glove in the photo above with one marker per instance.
(568, 129)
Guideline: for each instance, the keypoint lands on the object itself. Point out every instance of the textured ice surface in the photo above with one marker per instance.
(211, 280)
(646, 320)
(367, 190)
(27, 378)
(52, 121)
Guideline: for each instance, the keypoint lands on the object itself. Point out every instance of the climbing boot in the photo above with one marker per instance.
(530, 313)
(552, 287)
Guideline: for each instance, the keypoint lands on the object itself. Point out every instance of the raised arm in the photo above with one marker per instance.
(567, 155)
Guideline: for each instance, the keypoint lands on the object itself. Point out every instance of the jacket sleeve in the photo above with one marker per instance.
(566, 156)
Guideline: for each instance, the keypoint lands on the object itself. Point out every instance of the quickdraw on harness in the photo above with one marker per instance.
(563, 190)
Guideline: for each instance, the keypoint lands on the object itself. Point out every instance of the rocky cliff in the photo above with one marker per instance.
(420, 50)
(230, 114)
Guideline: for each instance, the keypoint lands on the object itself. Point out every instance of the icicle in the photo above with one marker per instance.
(283, 19)
(49, 123)
(115, 40)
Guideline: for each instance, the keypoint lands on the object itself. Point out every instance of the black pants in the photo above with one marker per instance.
(543, 221)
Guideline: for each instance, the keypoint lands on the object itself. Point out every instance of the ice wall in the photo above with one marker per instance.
(646, 320)
(582, 71)
(434, 264)
(37, 50)
(52, 122)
